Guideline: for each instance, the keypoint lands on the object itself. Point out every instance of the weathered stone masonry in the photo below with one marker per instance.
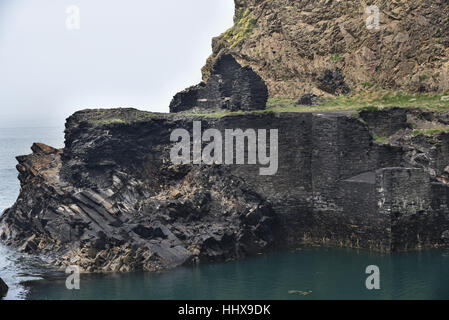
(230, 87)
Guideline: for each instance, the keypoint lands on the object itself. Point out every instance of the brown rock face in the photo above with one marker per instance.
(293, 44)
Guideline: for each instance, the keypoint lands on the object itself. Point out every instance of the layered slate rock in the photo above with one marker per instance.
(3, 289)
(112, 200)
(230, 87)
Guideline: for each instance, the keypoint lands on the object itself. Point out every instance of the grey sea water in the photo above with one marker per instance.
(301, 273)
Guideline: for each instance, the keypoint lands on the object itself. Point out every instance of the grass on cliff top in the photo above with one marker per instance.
(365, 100)
(356, 102)
(118, 116)
(242, 28)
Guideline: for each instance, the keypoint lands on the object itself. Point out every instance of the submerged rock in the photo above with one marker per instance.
(3, 289)
(230, 87)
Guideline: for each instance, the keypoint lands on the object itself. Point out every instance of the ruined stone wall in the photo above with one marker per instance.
(230, 87)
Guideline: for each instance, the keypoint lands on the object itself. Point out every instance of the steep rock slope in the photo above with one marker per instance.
(294, 45)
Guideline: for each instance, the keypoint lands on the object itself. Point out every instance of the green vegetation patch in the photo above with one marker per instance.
(380, 139)
(361, 102)
(431, 131)
(242, 29)
(106, 121)
(370, 101)
(336, 57)
(354, 102)
(117, 116)
(217, 114)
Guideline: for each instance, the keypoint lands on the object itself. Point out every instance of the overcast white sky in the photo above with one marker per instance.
(135, 53)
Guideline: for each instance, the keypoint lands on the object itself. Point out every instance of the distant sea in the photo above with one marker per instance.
(300, 273)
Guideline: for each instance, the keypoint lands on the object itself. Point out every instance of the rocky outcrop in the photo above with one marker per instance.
(384, 123)
(229, 87)
(112, 200)
(332, 81)
(290, 44)
(309, 99)
(3, 289)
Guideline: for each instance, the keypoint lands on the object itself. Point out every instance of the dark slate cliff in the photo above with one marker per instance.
(111, 200)
(229, 87)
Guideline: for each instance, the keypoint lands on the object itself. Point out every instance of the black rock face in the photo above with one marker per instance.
(112, 200)
(3, 289)
(186, 99)
(333, 82)
(309, 99)
(230, 86)
(384, 123)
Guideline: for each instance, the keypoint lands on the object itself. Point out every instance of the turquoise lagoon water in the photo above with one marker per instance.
(303, 273)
